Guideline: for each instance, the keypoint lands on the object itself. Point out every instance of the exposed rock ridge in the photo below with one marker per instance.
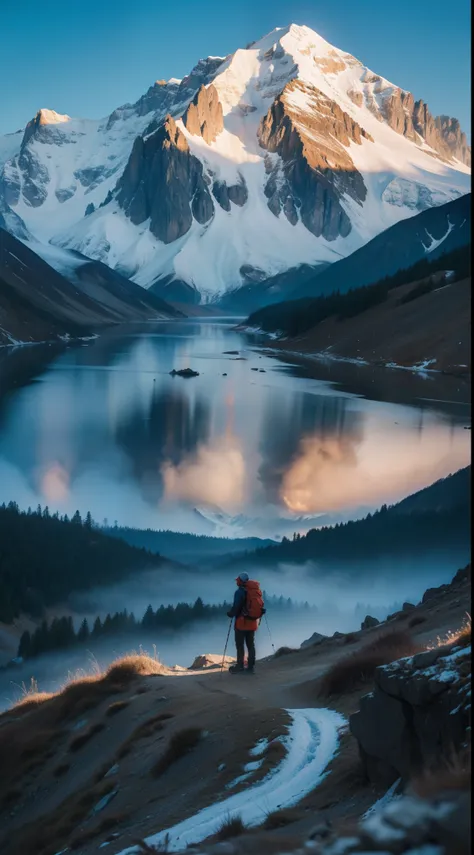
(164, 182)
(316, 167)
(419, 711)
(204, 116)
(225, 193)
(413, 120)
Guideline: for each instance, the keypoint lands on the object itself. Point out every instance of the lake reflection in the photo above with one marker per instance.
(264, 450)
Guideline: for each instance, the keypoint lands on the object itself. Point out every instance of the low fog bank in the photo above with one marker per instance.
(334, 590)
(341, 602)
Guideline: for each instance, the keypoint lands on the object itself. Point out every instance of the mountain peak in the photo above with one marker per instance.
(50, 117)
(43, 119)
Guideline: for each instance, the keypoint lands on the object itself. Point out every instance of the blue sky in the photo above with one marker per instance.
(86, 57)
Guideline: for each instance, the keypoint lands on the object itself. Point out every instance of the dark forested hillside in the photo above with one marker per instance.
(60, 634)
(298, 316)
(436, 519)
(430, 234)
(44, 558)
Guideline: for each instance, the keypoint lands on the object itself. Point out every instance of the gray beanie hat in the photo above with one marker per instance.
(244, 577)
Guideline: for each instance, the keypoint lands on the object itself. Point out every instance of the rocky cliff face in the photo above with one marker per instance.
(414, 120)
(315, 168)
(204, 115)
(165, 183)
(419, 711)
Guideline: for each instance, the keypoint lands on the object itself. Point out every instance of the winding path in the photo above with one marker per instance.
(311, 743)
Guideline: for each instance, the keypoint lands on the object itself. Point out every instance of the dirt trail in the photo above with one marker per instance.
(56, 789)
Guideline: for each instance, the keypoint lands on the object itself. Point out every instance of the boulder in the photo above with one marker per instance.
(402, 824)
(408, 607)
(315, 638)
(369, 622)
(210, 660)
(417, 714)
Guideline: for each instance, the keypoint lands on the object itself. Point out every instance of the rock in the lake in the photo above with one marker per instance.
(184, 372)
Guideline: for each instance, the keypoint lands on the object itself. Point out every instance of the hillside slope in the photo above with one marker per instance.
(287, 152)
(418, 318)
(124, 755)
(427, 235)
(38, 303)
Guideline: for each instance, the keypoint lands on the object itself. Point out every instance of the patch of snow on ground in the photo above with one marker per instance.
(259, 748)
(383, 801)
(311, 743)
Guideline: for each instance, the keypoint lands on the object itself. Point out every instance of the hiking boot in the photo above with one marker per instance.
(236, 669)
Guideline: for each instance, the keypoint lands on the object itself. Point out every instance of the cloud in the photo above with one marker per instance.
(214, 475)
(55, 483)
(334, 473)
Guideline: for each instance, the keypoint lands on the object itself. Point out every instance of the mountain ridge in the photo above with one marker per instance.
(305, 155)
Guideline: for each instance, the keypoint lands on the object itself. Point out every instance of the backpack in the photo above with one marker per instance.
(254, 605)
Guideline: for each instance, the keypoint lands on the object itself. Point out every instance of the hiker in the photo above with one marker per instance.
(247, 609)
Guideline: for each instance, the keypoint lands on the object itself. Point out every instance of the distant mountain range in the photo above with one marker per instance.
(39, 303)
(289, 153)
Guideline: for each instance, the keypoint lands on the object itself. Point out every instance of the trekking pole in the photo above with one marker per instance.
(225, 648)
(271, 639)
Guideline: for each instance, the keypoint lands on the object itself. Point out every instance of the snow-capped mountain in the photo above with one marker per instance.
(287, 152)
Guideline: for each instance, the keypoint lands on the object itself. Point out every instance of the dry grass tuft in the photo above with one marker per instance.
(145, 849)
(230, 827)
(280, 818)
(452, 774)
(30, 701)
(180, 744)
(459, 637)
(143, 731)
(284, 651)
(87, 734)
(359, 667)
(51, 833)
(416, 620)
(126, 669)
(83, 692)
(61, 769)
(108, 823)
(116, 707)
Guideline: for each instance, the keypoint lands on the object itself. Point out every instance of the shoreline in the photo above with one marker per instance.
(421, 369)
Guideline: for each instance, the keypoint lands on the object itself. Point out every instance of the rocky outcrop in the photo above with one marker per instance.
(164, 182)
(204, 116)
(413, 120)
(409, 824)
(369, 622)
(224, 193)
(315, 168)
(405, 825)
(417, 714)
(315, 638)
